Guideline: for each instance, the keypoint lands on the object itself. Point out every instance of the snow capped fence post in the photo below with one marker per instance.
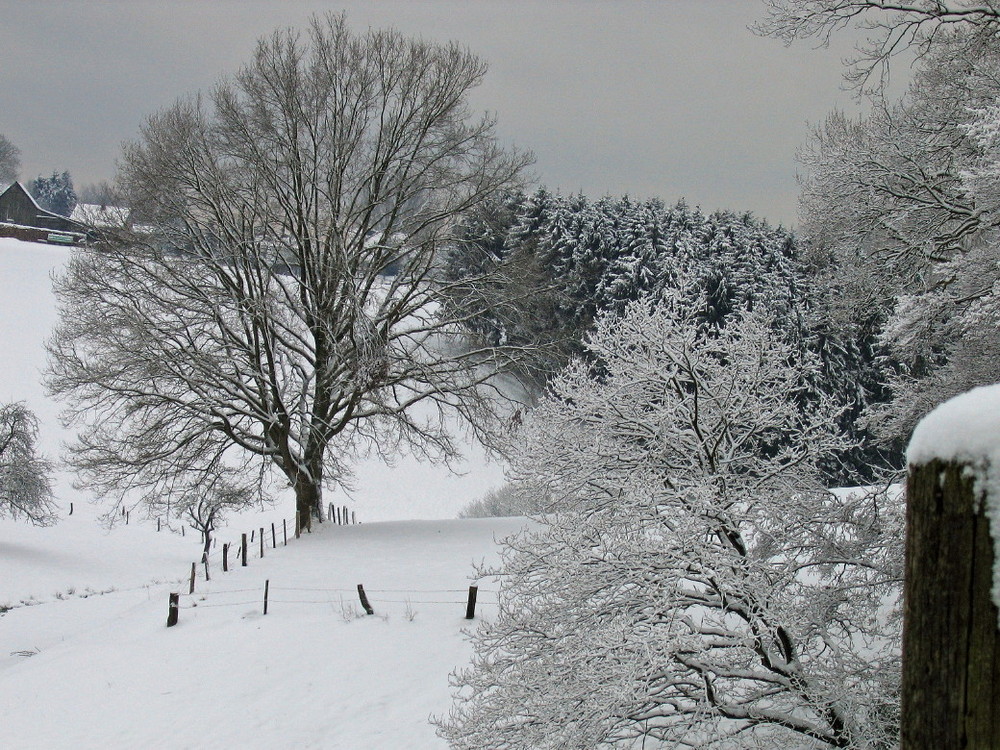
(951, 627)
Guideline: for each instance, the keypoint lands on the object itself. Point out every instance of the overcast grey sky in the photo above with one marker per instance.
(668, 98)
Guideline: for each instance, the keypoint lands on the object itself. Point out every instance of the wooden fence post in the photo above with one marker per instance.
(267, 585)
(262, 542)
(194, 570)
(335, 512)
(298, 525)
(71, 510)
(243, 551)
(274, 538)
(470, 607)
(225, 557)
(172, 608)
(364, 600)
(951, 642)
(284, 530)
(353, 520)
(344, 515)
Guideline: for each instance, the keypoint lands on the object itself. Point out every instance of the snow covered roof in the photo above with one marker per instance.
(94, 215)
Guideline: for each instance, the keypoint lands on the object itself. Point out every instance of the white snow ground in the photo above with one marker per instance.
(87, 662)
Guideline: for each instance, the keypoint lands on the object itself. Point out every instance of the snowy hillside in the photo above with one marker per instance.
(87, 662)
(315, 672)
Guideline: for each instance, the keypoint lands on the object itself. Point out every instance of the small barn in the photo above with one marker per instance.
(24, 219)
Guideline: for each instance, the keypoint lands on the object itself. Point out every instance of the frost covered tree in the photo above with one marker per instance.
(899, 216)
(10, 161)
(287, 308)
(691, 582)
(25, 489)
(889, 28)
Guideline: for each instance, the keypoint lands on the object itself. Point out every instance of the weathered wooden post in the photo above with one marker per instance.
(243, 550)
(274, 537)
(284, 530)
(262, 541)
(364, 600)
(470, 607)
(267, 586)
(951, 640)
(194, 570)
(172, 609)
(225, 558)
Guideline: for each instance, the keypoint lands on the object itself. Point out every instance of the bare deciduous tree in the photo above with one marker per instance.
(25, 490)
(204, 505)
(10, 161)
(285, 305)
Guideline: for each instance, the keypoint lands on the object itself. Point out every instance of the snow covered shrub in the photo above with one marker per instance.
(692, 583)
(506, 500)
(25, 488)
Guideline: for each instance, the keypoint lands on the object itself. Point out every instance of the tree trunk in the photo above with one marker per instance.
(308, 499)
(951, 643)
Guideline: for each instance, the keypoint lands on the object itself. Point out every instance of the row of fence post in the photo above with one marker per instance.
(338, 513)
(174, 601)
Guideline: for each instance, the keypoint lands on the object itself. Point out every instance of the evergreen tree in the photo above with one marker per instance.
(55, 193)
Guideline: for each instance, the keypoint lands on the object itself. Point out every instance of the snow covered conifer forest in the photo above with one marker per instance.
(333, 263)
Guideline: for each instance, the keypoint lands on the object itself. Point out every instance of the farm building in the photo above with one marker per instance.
(23, 218)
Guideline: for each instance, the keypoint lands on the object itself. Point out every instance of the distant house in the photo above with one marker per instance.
(24, 219)
(100, 216)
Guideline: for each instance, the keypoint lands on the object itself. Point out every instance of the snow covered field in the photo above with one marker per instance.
(314, 672)
(87, 662)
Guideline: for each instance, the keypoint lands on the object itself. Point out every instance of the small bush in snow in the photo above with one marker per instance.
(506, 500)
